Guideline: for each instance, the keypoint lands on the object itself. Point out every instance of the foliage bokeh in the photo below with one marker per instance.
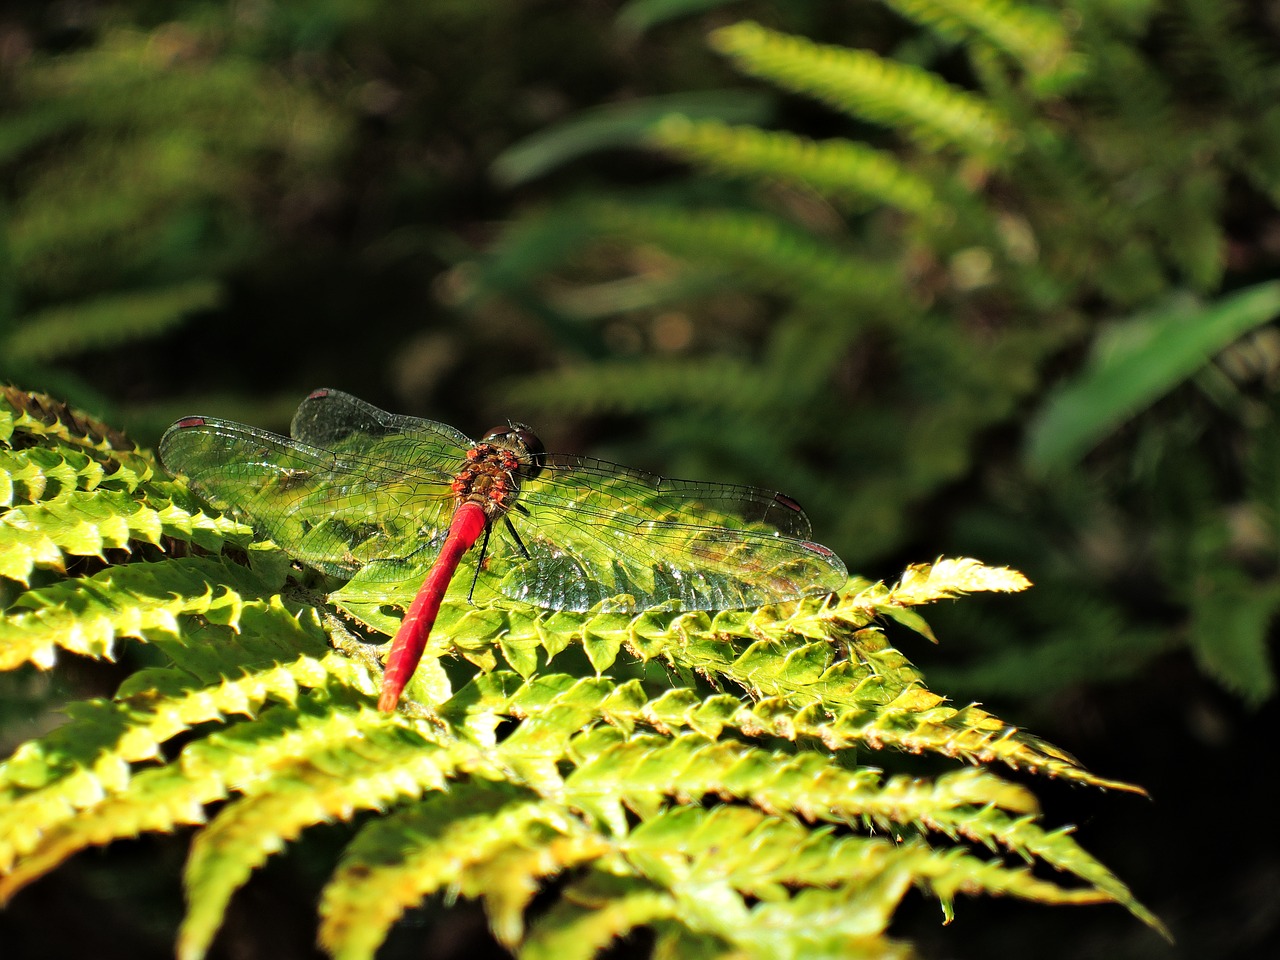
(669, 234)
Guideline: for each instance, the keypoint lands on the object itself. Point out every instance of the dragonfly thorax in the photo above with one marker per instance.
(493, 471)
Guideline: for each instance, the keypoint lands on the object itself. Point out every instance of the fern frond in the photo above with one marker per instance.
(160, 799)
(947, 579)
(787, 657)
(490, 841)
(616, 772)
(101, 737)
(944, 580)
(505, 778)
(707, 860)
(1033, 36)
(192, 126)
(107, 320)
(593, 913)
(620, 124)
(870, 87)
(259, 649)
(86, 523)
(848, 173)
(90, 761)
(82, 524)
(155, 800)
(367, 765)
(761, 251)
(1025, 837)
(28, 419)
(1230, 629)
(764, 856)
(87, 615)
(715, 383)
(842, 708)
(45, 473)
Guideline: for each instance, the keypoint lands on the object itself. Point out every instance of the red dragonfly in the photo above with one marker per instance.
(356, 484)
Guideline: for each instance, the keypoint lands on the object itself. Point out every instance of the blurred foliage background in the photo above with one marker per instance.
(975, 277)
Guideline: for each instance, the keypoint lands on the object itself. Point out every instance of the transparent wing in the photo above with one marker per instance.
(592, 531)
(332, 419)
(333, 508)
(358, 484)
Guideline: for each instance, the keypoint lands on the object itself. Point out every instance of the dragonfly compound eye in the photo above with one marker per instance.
(520, 438)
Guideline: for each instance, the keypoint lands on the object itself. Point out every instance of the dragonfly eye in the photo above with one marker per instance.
(520, 438)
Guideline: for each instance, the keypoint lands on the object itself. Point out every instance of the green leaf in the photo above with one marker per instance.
(638, 16)
(1137, 362)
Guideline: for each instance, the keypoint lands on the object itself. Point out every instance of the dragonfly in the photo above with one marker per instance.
(355, 485)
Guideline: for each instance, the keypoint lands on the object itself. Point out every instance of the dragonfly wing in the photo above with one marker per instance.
(596, 531)
(591, 485)
(332, 510)
(333, 419)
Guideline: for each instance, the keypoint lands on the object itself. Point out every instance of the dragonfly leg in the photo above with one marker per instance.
(511, 528)
(484, 547)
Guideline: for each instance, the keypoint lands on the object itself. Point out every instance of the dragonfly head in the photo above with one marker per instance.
(521, 440)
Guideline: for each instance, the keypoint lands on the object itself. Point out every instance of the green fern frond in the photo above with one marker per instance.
(141, 101)
(947, 579)
(369, 763)
(850, 174)
(592, 914)
(763, 252)
(719, 383)
(616, 772)
(175, 794)
(84, 767)
(105, 321)
(837, 704)
(870, 87)
(1230, 628)
(724, 820)
(46, 473)
(29, 419)
(490, 841)
(139, 601)
(82, 524)
(1024, 836)
(763, 855)
(789, 657)
(86, 523)
(706, 860)
(1033, 36)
